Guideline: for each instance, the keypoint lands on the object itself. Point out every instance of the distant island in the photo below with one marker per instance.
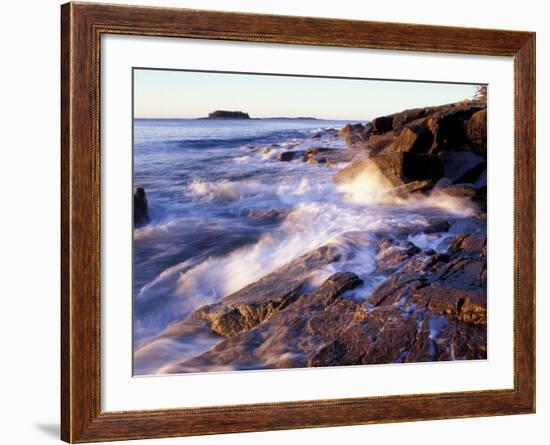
(222, 114)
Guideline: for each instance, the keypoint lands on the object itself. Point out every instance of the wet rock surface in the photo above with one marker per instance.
(398, 168)
(141, 207)
(258, 301)
(431, 306)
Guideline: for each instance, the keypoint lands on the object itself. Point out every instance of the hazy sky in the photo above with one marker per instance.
(189, 94)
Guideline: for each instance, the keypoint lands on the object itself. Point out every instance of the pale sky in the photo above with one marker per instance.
(191, 94)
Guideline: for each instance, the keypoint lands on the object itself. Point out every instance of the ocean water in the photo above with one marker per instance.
(225, 212)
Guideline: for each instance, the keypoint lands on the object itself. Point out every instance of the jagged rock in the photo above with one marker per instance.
(437, 225)
(311, 153)
(476, 131)
(377, 143)
(328, 156)
(414, 139)
(392, 254)
(460, 191)
(433, 308)
(464, 305)
(287, 338)
(449, 128)
(404, 117)
(141, 207)
(462, 273)
(258, 301)
(355, 134)
(397, 168)
(287, 156)
(403, 191)
(382, 124)
(471, 244)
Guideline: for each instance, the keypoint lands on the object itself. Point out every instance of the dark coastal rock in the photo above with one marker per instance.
(355, 134)
(311, 153)
(141, 207)
(437, 225)
(416, 148)
(461, 272)
(433, 306)
(472, 244)
(460, 191)
(382, 124)
(392, 254)
(288, 338)
(463, 305)
(398, 168)
(223, 114)
(462, 166)
(330, 132)
(414, 139)
(445, 295)
(404, 117)
(258, 301)
(449, 127)
(411, 188)
(287, 156)
(378, 143)
(328, 156)
(476, 131)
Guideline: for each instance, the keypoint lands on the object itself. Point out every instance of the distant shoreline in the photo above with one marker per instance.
(258, 118)
(251, 119)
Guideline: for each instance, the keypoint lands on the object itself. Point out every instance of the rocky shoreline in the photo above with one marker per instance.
(430, 302)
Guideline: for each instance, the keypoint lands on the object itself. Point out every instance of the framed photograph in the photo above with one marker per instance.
(274, 222)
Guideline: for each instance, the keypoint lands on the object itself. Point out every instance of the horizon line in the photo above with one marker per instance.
(250, 118)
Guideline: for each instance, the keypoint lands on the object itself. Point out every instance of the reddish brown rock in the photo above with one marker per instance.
(476, 131)
(391, 255)
(355, 134)
(377, 143)
(404, 117)
(412, 188)
(258, 301)
(414, 139)
(329, 156)
(288, 338)
(472, 244)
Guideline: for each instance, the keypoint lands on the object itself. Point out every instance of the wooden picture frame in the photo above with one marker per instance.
(82, 26)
